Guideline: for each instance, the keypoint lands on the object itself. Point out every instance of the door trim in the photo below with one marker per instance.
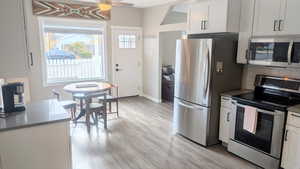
(113, 54)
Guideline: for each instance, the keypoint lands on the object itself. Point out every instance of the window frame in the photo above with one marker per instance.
(69, 22)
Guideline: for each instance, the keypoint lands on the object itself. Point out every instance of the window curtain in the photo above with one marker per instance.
(69, 10)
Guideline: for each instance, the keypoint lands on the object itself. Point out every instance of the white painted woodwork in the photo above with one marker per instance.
(197, 14)
(246, 25)
(38, 147)
(13, 55)
(291, 148)
(225, 112)
(221, 16)
(290, 17)
(129, 76)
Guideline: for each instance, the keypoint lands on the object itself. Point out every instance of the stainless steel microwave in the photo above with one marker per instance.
(281, 52)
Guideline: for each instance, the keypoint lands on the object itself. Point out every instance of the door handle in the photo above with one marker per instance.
(117, 69)
(188, 106)
(298, 116)
(31, 59)
(228, 117)
(286, 135)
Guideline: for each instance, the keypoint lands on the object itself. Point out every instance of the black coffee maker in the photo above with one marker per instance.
(13, 98)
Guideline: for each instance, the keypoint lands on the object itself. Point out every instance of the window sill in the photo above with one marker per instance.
(55, 84)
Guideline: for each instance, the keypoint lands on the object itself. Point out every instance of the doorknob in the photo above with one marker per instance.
(117, 69)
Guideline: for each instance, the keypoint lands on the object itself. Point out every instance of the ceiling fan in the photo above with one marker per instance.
(106, 5)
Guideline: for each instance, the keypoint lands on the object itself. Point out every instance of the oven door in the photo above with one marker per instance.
(270, 52)
(269, 132)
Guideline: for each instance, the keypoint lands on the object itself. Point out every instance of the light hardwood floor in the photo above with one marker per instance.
(142, 139)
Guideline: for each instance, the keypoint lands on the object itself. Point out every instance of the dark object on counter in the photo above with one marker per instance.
(13, 100)
(168, 83)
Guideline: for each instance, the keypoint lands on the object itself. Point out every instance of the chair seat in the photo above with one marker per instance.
(79, 96)
(109, 98)
(67, 104)
(96, 106)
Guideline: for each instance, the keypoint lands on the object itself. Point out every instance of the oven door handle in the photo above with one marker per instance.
(261, 110)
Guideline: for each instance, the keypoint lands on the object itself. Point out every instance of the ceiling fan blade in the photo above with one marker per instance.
(121, 4)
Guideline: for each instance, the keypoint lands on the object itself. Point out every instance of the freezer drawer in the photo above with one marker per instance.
(190, 120)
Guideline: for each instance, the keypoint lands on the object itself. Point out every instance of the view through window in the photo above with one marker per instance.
(73, 53)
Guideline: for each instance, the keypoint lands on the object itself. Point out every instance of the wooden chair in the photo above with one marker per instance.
(112, 98)
(66, 104)
(98, 110)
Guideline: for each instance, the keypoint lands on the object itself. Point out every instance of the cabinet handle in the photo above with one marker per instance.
(202, 25)
(286, 135)
(228, 117)
(275, 25)
(31, 59)
(205, 26)
(295, 115)
(280, 25)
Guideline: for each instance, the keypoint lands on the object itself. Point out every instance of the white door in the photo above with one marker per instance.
(267, 15)
(291, 149)
(290, 19)
(198, 13)
(127, 59)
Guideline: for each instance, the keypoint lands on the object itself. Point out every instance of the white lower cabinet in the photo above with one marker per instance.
(225, 112)
(38, 147)
(291, 147)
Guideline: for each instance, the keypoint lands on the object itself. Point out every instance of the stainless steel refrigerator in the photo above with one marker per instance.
(205, 67)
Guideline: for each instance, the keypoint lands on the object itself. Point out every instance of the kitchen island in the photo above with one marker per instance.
(38, 138)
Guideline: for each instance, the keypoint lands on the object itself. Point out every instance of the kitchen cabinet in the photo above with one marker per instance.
(290, 23)
(291, 147)
(211, 16)
(39, 147)
(13, 55)
(246, 20)
(225, 112)
(276, 17)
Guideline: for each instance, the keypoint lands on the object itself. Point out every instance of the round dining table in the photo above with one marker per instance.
(82, 89)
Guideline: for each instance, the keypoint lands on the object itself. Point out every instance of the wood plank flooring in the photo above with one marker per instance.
(142, 139)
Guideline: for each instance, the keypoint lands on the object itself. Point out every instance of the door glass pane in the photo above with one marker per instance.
(262, 139)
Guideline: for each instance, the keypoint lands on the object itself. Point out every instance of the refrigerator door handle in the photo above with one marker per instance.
(208, 73)
(187, 105)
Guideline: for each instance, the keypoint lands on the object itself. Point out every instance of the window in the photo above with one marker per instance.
(127, 41)
(74, 50)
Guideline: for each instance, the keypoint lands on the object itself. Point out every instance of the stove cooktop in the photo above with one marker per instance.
(266, 101)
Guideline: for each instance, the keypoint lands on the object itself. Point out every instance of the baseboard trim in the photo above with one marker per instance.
(151, 98)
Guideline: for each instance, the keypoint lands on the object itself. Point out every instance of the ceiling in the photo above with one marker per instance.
(141, 3)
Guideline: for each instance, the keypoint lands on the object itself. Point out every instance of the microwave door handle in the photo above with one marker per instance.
(290, 52)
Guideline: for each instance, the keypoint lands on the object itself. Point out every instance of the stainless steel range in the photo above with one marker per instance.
(262, 144)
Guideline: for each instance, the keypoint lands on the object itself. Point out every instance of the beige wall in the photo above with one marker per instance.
(152, 19)
(250, 71)
(120, 17)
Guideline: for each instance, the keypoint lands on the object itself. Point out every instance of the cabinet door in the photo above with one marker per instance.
(290, 23)
(218, 16)
(266, 17)
(246, 23)
(224, 123)
(198, 13)
(13, 58)
(291, 148)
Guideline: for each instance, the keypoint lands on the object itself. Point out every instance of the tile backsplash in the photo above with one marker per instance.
(250, 71)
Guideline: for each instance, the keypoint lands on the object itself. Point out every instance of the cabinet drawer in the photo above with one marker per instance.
(294, 119)
(226, 102)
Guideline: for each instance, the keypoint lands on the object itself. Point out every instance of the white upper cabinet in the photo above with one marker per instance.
(266, 18)
(290, 23)
(276, 17)
(246, 23)
(211, 16)
(13, 51)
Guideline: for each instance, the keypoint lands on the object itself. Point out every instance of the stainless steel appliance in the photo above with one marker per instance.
(280, 51)
(205, 67)
(13, 99)
(271, 98)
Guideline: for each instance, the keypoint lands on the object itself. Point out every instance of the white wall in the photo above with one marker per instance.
(167, 47)
(120, 17)
(152, 19)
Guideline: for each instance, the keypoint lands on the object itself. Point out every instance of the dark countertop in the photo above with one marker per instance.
(235, 92)
(295, 109)
(38, 113)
